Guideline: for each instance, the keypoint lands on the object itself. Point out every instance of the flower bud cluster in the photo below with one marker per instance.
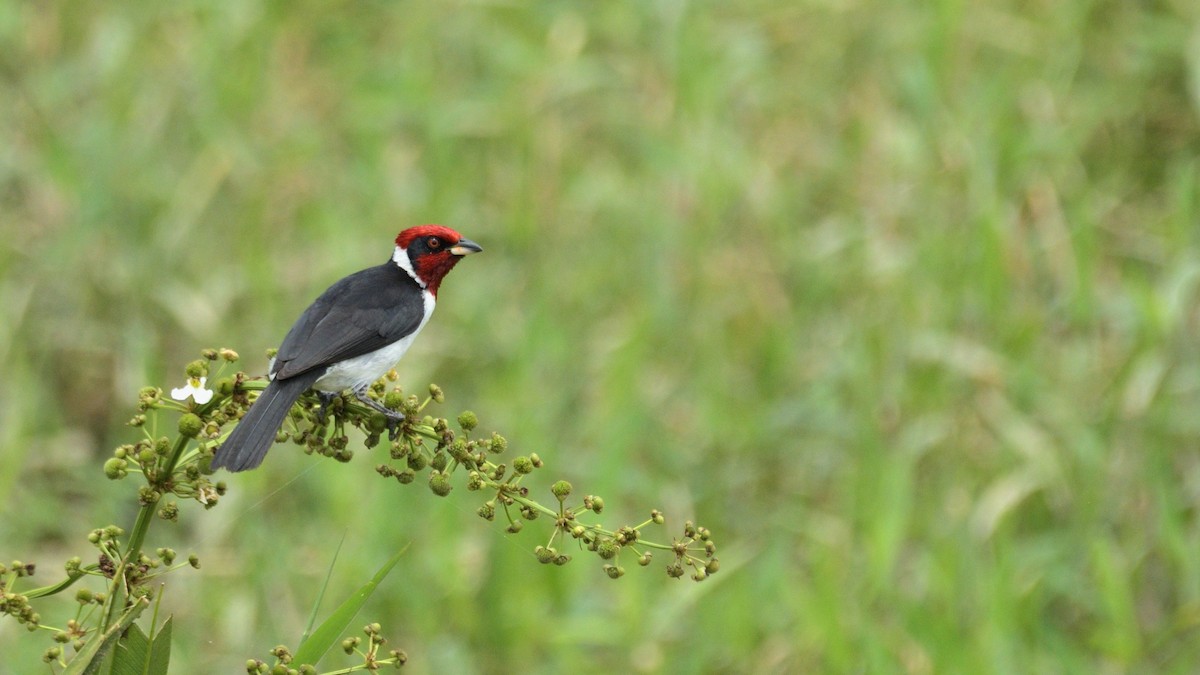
(15, 604)
(506, 494)
(370, 650)
(168, 466)
(417, 442)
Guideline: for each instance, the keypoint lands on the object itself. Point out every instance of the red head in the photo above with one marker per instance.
(429, 252)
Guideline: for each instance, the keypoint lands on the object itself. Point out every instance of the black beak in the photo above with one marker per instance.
(465, 247)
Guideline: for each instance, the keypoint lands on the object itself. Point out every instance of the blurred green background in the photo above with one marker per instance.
(902, 300)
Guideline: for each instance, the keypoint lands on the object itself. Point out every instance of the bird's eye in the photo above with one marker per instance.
(434, 243)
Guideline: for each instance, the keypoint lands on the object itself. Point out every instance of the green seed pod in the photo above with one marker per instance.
(498, 444)
(115, 468)
(170, 512)
(411, 405)
(190, 425)
(522, 465)
(439, 483)
(393, 400)
(561, 489)
(197, 368)
(439, 462)
(607, 549)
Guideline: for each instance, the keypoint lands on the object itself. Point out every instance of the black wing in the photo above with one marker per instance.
(373, 308)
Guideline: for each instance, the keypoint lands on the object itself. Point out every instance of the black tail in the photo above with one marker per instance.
(253, 436)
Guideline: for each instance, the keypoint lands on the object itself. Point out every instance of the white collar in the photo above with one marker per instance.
(400, 257)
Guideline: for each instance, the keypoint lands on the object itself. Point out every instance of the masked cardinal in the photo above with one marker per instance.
(349, 337)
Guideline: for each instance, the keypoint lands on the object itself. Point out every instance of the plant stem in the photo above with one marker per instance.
(137, 536)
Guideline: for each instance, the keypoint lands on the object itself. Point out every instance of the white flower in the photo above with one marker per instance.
(195, 389)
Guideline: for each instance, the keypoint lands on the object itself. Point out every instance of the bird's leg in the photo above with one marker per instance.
(361, 394)
(393, 418)
(326, 398)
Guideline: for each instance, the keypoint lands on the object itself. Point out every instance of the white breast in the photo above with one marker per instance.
(361, 371)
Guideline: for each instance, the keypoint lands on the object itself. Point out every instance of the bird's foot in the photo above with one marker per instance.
(394, 419)
(326, 399)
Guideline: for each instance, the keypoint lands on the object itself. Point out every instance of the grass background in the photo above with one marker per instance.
(900, 299)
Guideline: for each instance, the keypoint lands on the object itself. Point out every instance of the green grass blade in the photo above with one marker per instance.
(312, 617)
(330, 631)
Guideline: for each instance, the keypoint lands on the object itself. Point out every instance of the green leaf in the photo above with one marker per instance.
(330, 631)
(90, 659)
(160, 650)
(132, 652)
(137, 654)
(60, 586)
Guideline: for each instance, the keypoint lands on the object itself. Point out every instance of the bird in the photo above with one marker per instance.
(349, 337)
